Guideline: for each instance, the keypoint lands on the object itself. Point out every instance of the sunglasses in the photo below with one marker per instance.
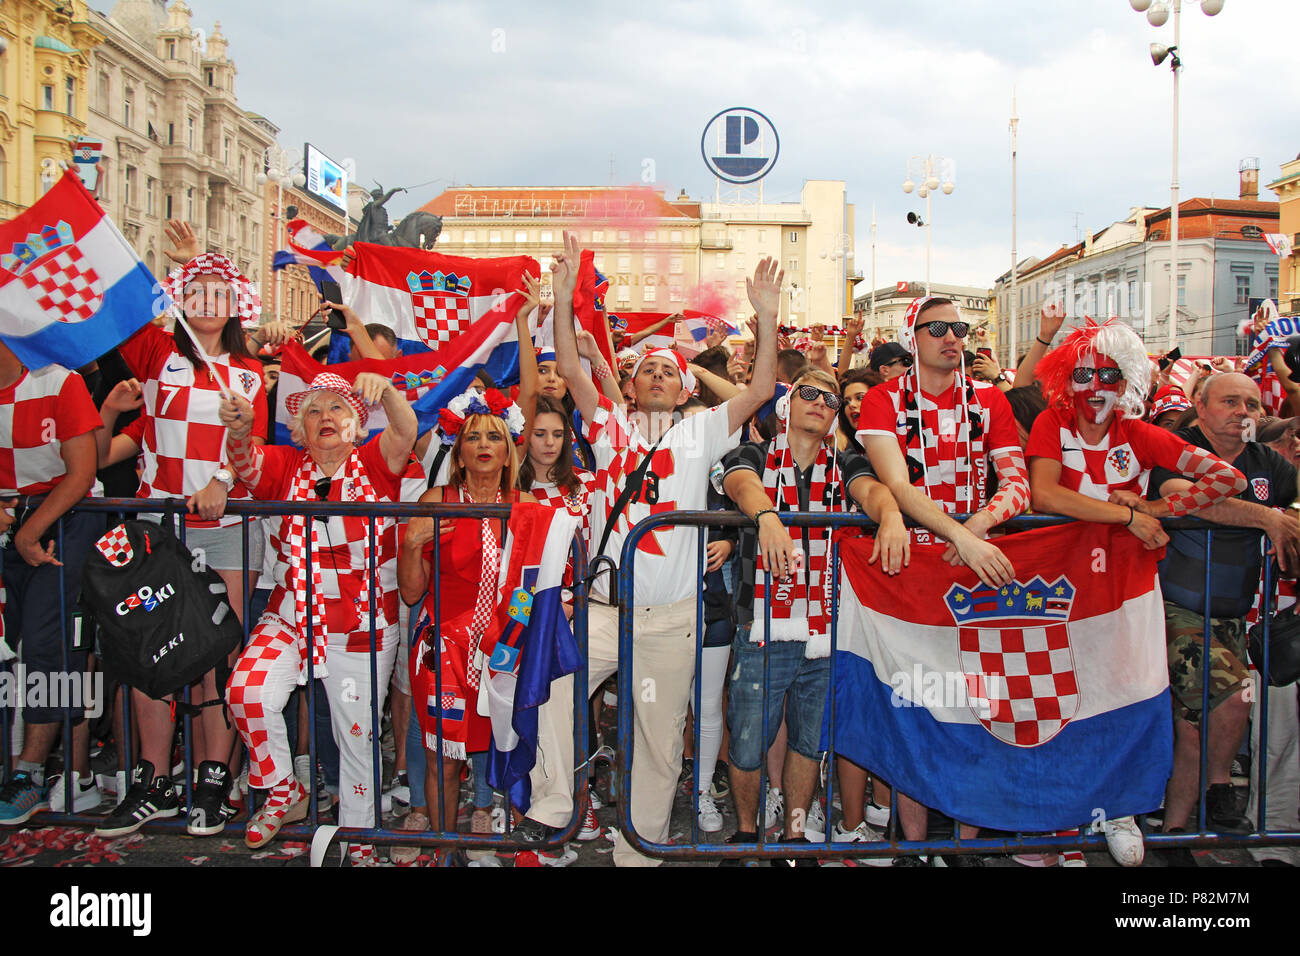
(940, 329)
(1107, 376)
(905, 361)
(809, 393)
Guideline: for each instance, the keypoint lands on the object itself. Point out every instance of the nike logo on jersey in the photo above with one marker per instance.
(170, 369)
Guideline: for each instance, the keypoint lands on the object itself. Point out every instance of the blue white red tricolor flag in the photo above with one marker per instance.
(71, 286)
(529, 644)
(461, 309)
(307, 247)
(700, 324)
(632, 323)
(1025, 708)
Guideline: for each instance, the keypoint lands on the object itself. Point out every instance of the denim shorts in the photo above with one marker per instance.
(798, 687)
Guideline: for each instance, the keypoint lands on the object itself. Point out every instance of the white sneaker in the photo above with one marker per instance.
(85, 795)
(877, 816)
(112, 785)
(398, 793)
(710, 816)
(861, 834)
(1124, 840)
(814, 828)
(302, 770)
(775, 808)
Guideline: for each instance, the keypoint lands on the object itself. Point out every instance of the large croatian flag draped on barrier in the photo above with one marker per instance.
(71, 286)
(1032, 707)
(529, 643)
(463, 309)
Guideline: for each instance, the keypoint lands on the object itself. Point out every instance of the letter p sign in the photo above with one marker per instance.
(741, 131)
(740, 145)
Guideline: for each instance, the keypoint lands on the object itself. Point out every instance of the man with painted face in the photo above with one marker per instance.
(1090, 444)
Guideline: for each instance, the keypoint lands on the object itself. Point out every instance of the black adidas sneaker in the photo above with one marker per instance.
(143, 802)
(210, 807)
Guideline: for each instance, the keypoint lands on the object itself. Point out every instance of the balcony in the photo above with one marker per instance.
(718, 243)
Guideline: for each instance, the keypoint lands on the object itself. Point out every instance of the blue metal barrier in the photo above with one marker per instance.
(893, 846)
(249, 510)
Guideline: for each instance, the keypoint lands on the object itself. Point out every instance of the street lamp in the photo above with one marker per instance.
(932, 172)
(286, 170)
(841, 252)
(1157, 12)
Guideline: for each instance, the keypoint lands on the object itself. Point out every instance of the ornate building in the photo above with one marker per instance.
(43, 70)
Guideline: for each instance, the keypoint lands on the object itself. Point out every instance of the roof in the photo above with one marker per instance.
(53, 43)
(619, 203)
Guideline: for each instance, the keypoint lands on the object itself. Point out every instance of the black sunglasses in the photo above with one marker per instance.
(906, 360)
(1107, 376)
(940, 329)
(809, 393)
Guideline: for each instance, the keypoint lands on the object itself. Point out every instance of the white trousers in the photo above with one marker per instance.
(1283, 762)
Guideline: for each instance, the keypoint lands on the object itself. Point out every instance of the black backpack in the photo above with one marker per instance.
(162, 624)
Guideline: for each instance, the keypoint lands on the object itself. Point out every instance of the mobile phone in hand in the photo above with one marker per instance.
(331, 292)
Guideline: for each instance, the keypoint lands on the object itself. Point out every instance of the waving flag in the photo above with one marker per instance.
(71, 286)
(308, 248)
(589, 305)
(700, 324)
(631, 323)
(1024, 708)
(529, 644)
(1279, 242)
(462, 309)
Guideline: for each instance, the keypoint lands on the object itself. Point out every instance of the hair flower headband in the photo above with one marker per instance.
(471, 402)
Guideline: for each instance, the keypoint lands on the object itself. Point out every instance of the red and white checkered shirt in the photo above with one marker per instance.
(38, 413)
(1121, 461)
(344, 553)
(577, 504)
(184, 442)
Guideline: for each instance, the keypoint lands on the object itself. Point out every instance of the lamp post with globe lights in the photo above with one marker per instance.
(931, 173)
(1158, 12)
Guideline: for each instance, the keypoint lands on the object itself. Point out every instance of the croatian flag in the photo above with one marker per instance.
(700, 324)
(529, 643)
(307, 247)
(1025, 708)
(589, 305)
(461, 309)
(426, 382)
(71, 286)
(632, 323)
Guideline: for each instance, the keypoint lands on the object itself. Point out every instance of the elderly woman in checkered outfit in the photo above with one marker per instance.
(331, 627)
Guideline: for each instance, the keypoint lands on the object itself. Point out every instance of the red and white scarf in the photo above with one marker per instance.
(965, 493)
(359, 489)
(800, 606)
(486, 603)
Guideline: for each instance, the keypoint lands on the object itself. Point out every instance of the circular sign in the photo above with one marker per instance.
(740, 145)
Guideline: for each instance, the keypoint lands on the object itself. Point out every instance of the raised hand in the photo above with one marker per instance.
(370, 387)
(764, 290)
(184, 244)
(126, 396)
(564, 269)
(1050, 320)
(236, 414)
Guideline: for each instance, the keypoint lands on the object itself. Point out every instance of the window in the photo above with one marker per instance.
(243, 170)
(674, 293)
(103, 92)
(720, 260)
(1132, 297)
(1243, 290)
(625, 295)
(675, 235)
(625, 264)
(624, 235)
(70, 87)
(494, 235)
(521, 236)
(794, 237)
(128, 196)
(128, 108)
(740, 262)
(597, 235)
(171, 134)
(209, 76)
(47, 97)
(675, 265)
(190, 131)
(651, 236)
(649, 263)
(1182, 290)
(148, 196)
(762, 235)
(471, 236)
(1272, 288)
(225, 151)
(648, 294)
(548, 236)
(167, 204)
(791, 266)
(189, 205)
(171, 49)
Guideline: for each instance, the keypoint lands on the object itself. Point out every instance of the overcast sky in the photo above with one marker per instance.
(533, 94)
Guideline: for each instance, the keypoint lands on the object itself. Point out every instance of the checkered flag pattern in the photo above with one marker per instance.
(1214, 479)
(66, 286)
(440, 317)
(115, 546)
(1020, 681)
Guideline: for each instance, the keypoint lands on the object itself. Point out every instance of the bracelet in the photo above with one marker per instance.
(1131, 515)
(759, 514)
(1039, 340)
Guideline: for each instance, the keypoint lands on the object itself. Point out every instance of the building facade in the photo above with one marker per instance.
(1287, 188)
(176, 142)
(43, 104)
(891, 304)
(290, 295)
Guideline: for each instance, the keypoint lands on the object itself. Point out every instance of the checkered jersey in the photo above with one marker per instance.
(677, 479)
(577, 504)
(343, 558)
(937, 456)
(184, 442)
(39, 412)
(1121, 461)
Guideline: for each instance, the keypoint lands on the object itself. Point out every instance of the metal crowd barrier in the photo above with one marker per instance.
(313, 830)
(695, 849)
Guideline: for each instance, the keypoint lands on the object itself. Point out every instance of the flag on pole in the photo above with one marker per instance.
(1279, 242)
(71, 286)
(529, 643)
(1027, 707)
(308, 248)
(589, 305)
(700, 324)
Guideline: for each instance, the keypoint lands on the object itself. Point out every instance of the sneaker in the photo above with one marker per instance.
(860, 834)
(1073, 858)
(1124, 840)
(876, 815)
(363, 854)
(721, 785)
(413, 822)
(775, 808)
(814, 827)
(961, 860)
(687, 777)
(907, 862)
(793, 862)
(399, 792)
(590, 829)
(85, 794)
(144, 801)
(20, 798)
(710, 816)
(1221, 811)
(1239, 776)
(210, 802)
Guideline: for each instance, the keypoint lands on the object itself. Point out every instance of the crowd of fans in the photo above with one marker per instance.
(916, 431)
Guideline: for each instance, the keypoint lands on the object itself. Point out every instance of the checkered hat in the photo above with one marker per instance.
(329, 382)
(907, 335)
(688, 377)
(248, 306)
(1169, 399)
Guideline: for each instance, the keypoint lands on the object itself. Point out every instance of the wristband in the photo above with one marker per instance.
(759, 514)
(1131, 515)
(1039, 340)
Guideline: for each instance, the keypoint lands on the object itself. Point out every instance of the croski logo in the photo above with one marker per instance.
(147, 598)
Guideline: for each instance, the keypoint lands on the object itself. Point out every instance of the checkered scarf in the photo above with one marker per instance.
(360, 489)
(247, 303)
(966, 493)
(799, 607)
(486, 602)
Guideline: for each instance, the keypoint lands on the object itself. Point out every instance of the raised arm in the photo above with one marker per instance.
(724, 388)
(355, 328)
(125, 396)
(532, 293)
(564, 279)
(652, 329)
(765, 296)
(398, 437)
(1049, 323)
(1280, 525)
(600, 371)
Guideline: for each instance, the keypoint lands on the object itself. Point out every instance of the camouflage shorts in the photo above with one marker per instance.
(1185, 636)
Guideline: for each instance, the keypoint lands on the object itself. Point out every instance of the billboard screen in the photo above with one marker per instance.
(326, 179)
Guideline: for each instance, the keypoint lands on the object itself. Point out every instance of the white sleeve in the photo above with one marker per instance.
(708, 431)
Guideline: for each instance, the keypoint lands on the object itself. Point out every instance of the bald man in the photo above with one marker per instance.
(1228, 408)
